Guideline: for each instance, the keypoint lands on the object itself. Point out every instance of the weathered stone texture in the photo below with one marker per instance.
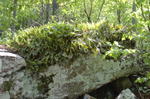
(83, 75)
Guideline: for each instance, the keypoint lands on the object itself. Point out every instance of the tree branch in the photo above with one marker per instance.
(100, 9)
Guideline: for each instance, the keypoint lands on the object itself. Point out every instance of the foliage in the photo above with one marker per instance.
(114, 28)
(116, 51)
(55, 43)
(143, 83)
(143, 79)
(24, 14)
(52, 43)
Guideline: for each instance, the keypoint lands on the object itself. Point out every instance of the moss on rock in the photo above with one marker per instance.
(60, 42)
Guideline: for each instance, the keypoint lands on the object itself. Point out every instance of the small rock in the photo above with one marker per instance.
(86, 96)
(126, 94)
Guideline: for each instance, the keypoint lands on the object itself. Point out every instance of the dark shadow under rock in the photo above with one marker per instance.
(104, 92)
(110, 90)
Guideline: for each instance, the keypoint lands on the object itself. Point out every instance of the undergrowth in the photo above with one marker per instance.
(55, 43)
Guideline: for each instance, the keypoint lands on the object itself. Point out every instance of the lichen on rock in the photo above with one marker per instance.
(60, 81)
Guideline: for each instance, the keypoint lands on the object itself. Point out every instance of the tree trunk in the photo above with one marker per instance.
(15, 9)
(55, 6)
(88, 13)
(144, 16)
(42, 12)
(13, 27)
(100, 10)
(47, 13)
(133, 10)
(149, 14)
(119, 16)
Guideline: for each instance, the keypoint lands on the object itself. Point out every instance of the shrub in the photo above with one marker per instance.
(50, 44)
(58, 43)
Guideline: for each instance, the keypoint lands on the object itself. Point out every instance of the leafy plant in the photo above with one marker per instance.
(51, 44)
(116, 51)
(60, 42)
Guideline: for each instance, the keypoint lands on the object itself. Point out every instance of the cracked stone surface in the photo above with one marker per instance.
(83, 75)
(10, 63)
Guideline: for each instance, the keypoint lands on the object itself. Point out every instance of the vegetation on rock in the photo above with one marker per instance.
(55, 43)
(46, 32)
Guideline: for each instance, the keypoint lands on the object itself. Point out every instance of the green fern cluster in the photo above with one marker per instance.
(50, 44)
(59, 42)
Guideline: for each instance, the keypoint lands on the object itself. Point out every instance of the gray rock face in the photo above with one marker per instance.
(4, 95)
(10, 63)
(126, 94)
(86, 74)
(67, 81)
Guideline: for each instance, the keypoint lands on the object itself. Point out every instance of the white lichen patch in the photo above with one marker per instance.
(95, 72)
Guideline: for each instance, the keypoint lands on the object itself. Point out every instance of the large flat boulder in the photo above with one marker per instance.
(87, 74)
(66, 80)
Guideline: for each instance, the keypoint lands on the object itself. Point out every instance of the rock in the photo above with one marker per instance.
(87, 74)
(4, 95)
(86, 96)
(24, 86)
(3, 50)
(126, 94)
(61, 81)
(10, 63)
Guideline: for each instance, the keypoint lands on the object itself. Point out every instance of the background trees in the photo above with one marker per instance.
(21, 14)
(122, 26)
(17, 14)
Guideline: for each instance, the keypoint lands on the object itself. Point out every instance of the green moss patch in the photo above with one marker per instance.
(55, 43)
